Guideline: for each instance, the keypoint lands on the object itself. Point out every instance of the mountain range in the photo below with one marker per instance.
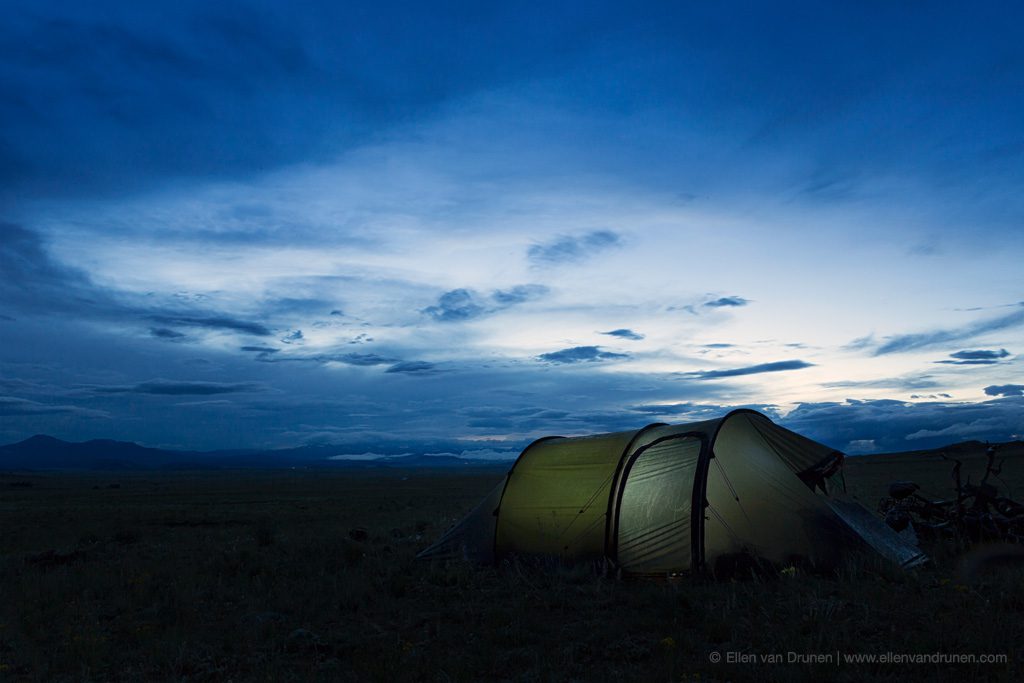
(42, 452)
(48, 453)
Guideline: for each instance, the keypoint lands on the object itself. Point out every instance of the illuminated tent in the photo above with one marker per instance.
(668, 499)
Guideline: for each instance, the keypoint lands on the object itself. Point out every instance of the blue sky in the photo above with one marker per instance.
(454, 228)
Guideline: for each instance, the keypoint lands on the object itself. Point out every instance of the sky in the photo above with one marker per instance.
(447, 227)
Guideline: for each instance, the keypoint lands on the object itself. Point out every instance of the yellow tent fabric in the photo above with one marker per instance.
(668, 499)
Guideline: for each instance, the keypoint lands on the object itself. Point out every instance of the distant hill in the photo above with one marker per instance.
(47, 453)
(961, 450)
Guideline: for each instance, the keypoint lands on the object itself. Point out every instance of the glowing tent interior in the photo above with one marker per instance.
(671, 499)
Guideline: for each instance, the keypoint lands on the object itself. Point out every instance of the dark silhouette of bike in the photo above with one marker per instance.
(978, 513)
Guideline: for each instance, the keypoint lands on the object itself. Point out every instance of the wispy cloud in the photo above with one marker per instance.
(363, 359)
(215, 322)
(910, 382)
(923, 340)
(778, 366)
(572, 248)
(259, 349)
(412, 367)
(519, 294)
(11, 406)
(166, 333)
(977, 357)
(35, 282)
(625, 333)
(727, 302)
(581, 354)
(981, 354)
(860, 343)
(164, 387)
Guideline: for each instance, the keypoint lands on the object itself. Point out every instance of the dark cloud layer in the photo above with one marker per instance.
(1005, 390)
(888, 425)
(108, 97)
(34, 282)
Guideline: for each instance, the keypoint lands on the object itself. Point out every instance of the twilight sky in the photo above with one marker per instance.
(441, 227)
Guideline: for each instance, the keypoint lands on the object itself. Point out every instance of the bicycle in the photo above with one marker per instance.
(977, 514)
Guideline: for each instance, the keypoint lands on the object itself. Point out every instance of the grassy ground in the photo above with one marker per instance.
(256, 576)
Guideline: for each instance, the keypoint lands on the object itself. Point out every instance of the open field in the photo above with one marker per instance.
(254, 576)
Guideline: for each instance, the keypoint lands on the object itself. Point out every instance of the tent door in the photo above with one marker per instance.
(654, 514)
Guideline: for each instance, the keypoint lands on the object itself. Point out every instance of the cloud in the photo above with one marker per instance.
(967, 362)
(34, 282)
(213, 403)
(363, 359)
(981, 354)
(215, 322)
(259, 349)
(1005, 390)
(165, 333)
(979, 357)
(625, 333)
(957, 431)
(683, 412)
(481, 454)
(359, 359)
(164, 387)
(862, 446)
(900, 426)
(860, 343)
(412, 367)
(465, 304)
(778, 366)
(719, 346)
(581, 354)
(368, 456)
(572, 248)
(456, 305)
(727, 302)
(904, 383)
(11, 406)
(205, 91)
(912, 342)
(518, 295)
